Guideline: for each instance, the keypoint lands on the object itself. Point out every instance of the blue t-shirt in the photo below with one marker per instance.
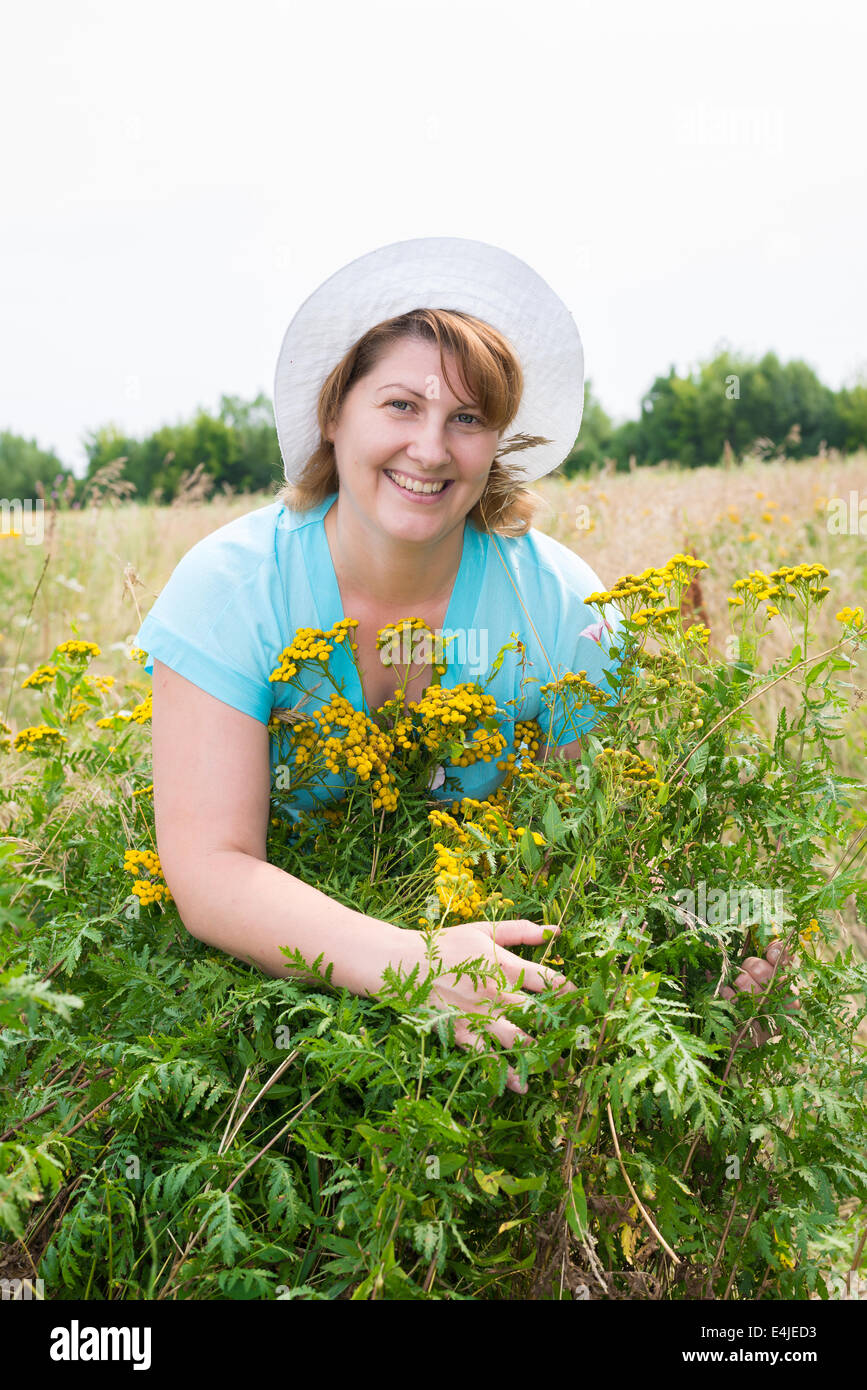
(234, 600)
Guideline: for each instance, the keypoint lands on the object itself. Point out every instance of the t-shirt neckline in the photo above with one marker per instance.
(460, 613)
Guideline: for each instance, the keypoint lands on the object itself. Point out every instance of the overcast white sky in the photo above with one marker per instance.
(178, 176)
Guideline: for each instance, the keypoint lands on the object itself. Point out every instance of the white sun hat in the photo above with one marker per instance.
(473, 277)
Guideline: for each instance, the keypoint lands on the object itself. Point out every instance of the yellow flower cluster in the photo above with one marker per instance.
(792, 574)
(143, 711)
(577, 681)
(855, 616)
(458, 892)
(656, 617)
(444, 712)
(90, 683)
(787, 584)
(147, 859)
(681, 569)
(405, 632)
(385, 793)
(490, 826)
(639, 595)
(628, 769)
(39, 738)
(148, 892)
(76, 650)
(135, 861)
(455, 885)
(364, 748)
(529, 732)
(135, 654)
(5, 736)
(757, 585)
(311, 644)
(482, 813)
(642, 586)
(585, 692)
(809, 931)
(87, 686)
(442, 820)
(145, 791)
(525, 830)
(43, 675)
(487, 822)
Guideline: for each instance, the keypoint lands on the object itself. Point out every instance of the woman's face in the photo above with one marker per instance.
(402, 419)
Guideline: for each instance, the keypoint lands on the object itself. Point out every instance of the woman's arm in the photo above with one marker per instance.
(211, 805)
(212, 783)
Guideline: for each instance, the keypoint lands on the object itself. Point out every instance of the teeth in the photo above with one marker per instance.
(412, 486)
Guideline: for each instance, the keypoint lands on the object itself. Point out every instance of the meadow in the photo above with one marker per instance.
(174, 1125)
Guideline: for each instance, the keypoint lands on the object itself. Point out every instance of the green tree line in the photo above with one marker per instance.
(722, 409)
(719, 411)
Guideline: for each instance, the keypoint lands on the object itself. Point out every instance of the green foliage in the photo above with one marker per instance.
(23, 464)
(237, 450)
(184, 1127)
(730, 399)
(594, 438)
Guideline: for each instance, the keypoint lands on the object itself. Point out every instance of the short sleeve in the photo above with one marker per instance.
(586, 640)
(217, 619)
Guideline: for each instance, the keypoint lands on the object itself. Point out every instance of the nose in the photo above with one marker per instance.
(428, 448)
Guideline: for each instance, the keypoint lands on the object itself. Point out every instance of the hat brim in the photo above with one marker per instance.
(474, 277)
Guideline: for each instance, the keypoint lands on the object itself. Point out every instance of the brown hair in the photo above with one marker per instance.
(493, 374)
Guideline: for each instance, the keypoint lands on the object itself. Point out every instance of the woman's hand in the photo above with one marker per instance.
(468, 941)
(754, 976)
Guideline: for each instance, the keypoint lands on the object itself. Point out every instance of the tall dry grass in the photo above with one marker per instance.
(100, 569)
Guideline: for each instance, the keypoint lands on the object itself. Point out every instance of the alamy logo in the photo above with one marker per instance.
(23, 518)
(75, 1343)
(468, 647)
(19, 1289)
(716, 906)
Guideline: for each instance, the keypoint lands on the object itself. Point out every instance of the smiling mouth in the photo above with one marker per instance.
(432, 489)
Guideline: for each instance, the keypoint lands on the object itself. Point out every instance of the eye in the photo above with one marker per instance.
(465, 413)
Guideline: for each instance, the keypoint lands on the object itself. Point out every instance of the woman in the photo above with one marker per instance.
(379, 400)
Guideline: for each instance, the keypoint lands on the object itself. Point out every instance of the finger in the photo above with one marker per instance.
(775, 950)
(491, 1012)
(518, 932)
(473, 1043)
(760, 970)
(536, 977)
(745, 981)
(544, 977)
(501, 1029)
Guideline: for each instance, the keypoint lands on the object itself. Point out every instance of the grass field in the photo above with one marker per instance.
(93, 578)
(98, 572)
